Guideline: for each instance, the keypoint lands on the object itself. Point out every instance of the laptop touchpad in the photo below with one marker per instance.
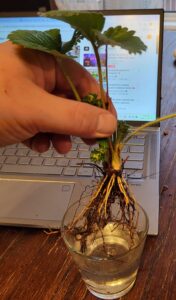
(34, 200)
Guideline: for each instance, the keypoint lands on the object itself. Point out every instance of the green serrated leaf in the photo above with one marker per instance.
(122, 37)
(39, 40)
(55, 35)
(48, 41)
(85, 22)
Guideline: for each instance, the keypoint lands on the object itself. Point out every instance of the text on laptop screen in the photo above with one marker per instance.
(133, 79)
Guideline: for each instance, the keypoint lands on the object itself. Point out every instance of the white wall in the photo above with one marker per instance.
(113, 4)
(108, 4)
(79, 4)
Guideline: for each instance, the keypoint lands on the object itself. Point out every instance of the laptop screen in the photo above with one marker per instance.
(134, 80)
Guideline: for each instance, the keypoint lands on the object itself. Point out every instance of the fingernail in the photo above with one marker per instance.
(107, 124)
(39, 147)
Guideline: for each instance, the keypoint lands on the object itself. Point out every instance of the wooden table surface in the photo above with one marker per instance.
(34, 265)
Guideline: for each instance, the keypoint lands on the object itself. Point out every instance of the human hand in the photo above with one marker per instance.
(36, 105)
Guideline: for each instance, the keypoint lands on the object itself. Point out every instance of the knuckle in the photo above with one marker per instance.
(86, 121)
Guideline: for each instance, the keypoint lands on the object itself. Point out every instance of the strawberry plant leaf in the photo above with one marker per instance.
(48, 41)
(122, 37)
(85, 22)
(39, 40)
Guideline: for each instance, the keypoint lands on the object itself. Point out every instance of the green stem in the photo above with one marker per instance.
(100, 75)
(77, 97)
(107, 83)
(149, 124)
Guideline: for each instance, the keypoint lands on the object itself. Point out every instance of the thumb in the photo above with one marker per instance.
(64, 116)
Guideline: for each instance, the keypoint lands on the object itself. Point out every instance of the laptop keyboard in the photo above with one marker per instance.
(20, 159)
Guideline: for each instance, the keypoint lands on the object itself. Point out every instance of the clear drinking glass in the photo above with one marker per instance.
(111, 260)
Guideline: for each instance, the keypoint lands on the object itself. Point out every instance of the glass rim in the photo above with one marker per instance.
(94, 257)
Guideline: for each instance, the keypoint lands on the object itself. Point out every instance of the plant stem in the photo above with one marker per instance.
(77, 97)
(107, 93)
(107, 82)
(100, 76)
(149, 124)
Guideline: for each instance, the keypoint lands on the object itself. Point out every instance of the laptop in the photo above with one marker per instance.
(36, 189)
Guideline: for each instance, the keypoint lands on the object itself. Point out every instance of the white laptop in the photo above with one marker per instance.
(36, 189)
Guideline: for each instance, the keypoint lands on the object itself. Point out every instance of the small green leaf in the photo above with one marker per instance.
(122, 37)
(47, 41)
(100, 154)
(39, 40)
(93, 100)
(85, 22)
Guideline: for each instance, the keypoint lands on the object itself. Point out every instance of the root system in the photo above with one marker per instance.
(111, 202)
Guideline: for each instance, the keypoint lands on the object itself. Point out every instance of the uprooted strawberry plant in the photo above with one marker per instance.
(112, 187)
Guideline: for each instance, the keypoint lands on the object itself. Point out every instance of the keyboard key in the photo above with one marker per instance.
(83, 147)
(77, 140)
(9, 152)
(84, 154)
(28, 169)
(63, 162)
(13, 146)
(36, 161)
(22, 152)
(69, 171)
(85, 171)
(87, 161)
(136, 148)
(32, 153)
(74, 147)
(56, 154)
(48, 153)
(11, 160)
(135, 175)
(72, 154)
(49, 161)
(136, 165)
(2, 150)
(141, 136)
(75, 162)
(133, 156)
(21, 146)
(2, 159)
(24, 160)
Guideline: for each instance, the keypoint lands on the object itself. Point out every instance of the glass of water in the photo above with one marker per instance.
(110, 262)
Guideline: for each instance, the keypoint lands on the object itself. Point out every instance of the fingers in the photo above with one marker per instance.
(30, 111)
(67, 117)
(83, 81)
(62, 143)
(40, 142)
(90, 142)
